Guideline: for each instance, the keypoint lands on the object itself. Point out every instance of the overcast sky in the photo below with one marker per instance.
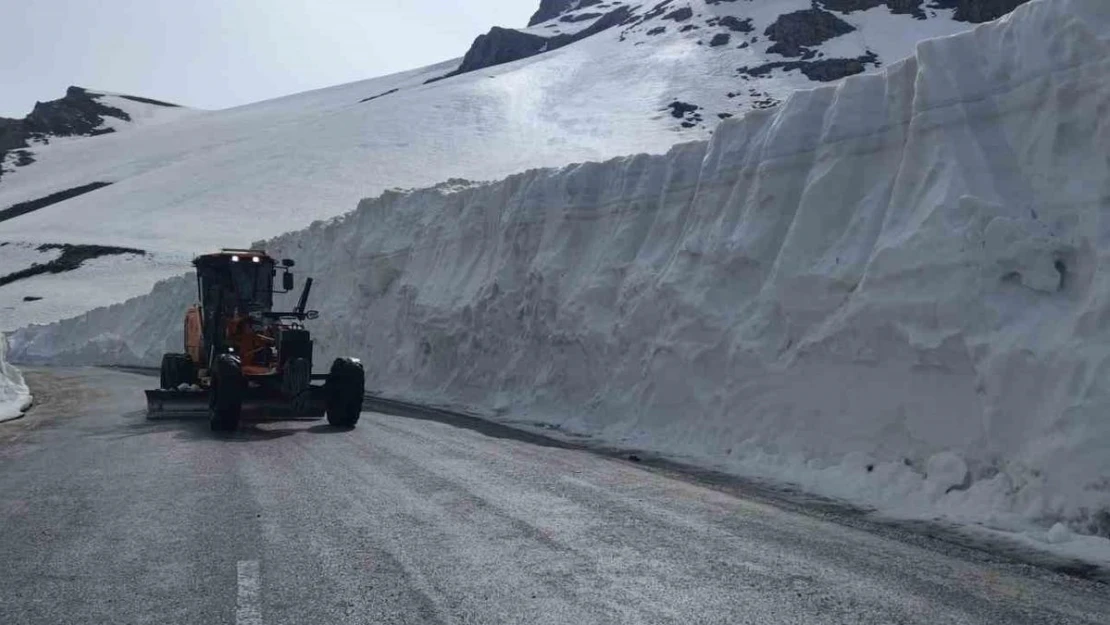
(220, 53)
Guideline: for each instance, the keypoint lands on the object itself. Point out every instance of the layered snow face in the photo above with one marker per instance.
(186, 182)
(15, 397)
(893, 290)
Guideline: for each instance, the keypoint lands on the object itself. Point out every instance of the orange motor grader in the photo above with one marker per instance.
(241, 354)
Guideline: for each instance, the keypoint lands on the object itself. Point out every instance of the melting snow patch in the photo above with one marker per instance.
(15, 397)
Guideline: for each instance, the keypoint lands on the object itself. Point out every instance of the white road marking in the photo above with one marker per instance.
(247, 611)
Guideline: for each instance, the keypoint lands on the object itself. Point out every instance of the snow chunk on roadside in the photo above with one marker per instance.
(15, 397)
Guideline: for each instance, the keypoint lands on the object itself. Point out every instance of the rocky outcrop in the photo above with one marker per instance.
(500, 45)
(973, 11)
(736, 24)
(504, 45)
(12, 134)
(31, 206)
(680, 15)
(793, 32)
(72, 257)
(898, 7)
(77, 114)
(823, 70)
(550, 9)
(978, 11)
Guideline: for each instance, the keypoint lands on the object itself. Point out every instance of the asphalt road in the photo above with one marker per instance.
(108, 518)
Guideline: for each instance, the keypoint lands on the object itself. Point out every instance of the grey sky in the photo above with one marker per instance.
(220, 53)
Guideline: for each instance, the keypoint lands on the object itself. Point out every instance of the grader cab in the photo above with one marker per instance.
(240, 354)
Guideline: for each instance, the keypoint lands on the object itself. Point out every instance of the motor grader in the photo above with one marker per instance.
(241, 355)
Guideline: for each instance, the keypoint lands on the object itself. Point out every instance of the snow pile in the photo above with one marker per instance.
(893, 290)
(187, 182)
(15, 397)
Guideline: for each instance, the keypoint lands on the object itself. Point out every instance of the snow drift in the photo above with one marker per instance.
(895, 289)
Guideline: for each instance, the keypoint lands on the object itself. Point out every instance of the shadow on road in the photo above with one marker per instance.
(196, 428)
(247, 432)
(326, 428)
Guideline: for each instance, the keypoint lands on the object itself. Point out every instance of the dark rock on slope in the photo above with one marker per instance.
(135, 98)
(720, 39)
(31, 206)
(550, 9)
(978, 11)
(974, 11)
(680, 15)
(736, 24)
(79, 113)
(500, 45)
(504, 45)
(898, 7)
(792, 32)
(72, 257)
(12, 134)
(823, 70)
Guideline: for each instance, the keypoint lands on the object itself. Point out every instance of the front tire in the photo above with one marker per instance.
(296, 385)
(344, 389)
(226, 400)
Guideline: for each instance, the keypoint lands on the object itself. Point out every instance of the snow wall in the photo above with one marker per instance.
(895, 289)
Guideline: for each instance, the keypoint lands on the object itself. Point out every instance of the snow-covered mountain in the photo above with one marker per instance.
(586, 80)
(80, 113)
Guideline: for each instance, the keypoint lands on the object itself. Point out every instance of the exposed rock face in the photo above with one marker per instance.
(792, 32)
(72, 257)
(500, 45)
(504, 45)
(76, 114)
(974, 11)
(12, 134)
(579, 17)
(680, 15)
(736, 24)
(31, 206)
(906, 7)
(824, 70)
(550, 9)
(978, 11)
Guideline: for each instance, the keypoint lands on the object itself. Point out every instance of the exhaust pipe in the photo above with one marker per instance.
(304, 297)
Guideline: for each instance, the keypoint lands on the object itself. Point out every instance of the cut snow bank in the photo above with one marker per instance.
(15, 397)
(894, 290)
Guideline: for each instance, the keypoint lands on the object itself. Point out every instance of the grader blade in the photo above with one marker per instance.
(167, 404)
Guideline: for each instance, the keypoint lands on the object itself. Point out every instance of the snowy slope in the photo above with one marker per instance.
(194, 181)
(892, 290)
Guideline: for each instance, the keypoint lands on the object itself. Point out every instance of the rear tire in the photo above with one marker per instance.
(344, 389)
(177, 369)
(226, 400)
